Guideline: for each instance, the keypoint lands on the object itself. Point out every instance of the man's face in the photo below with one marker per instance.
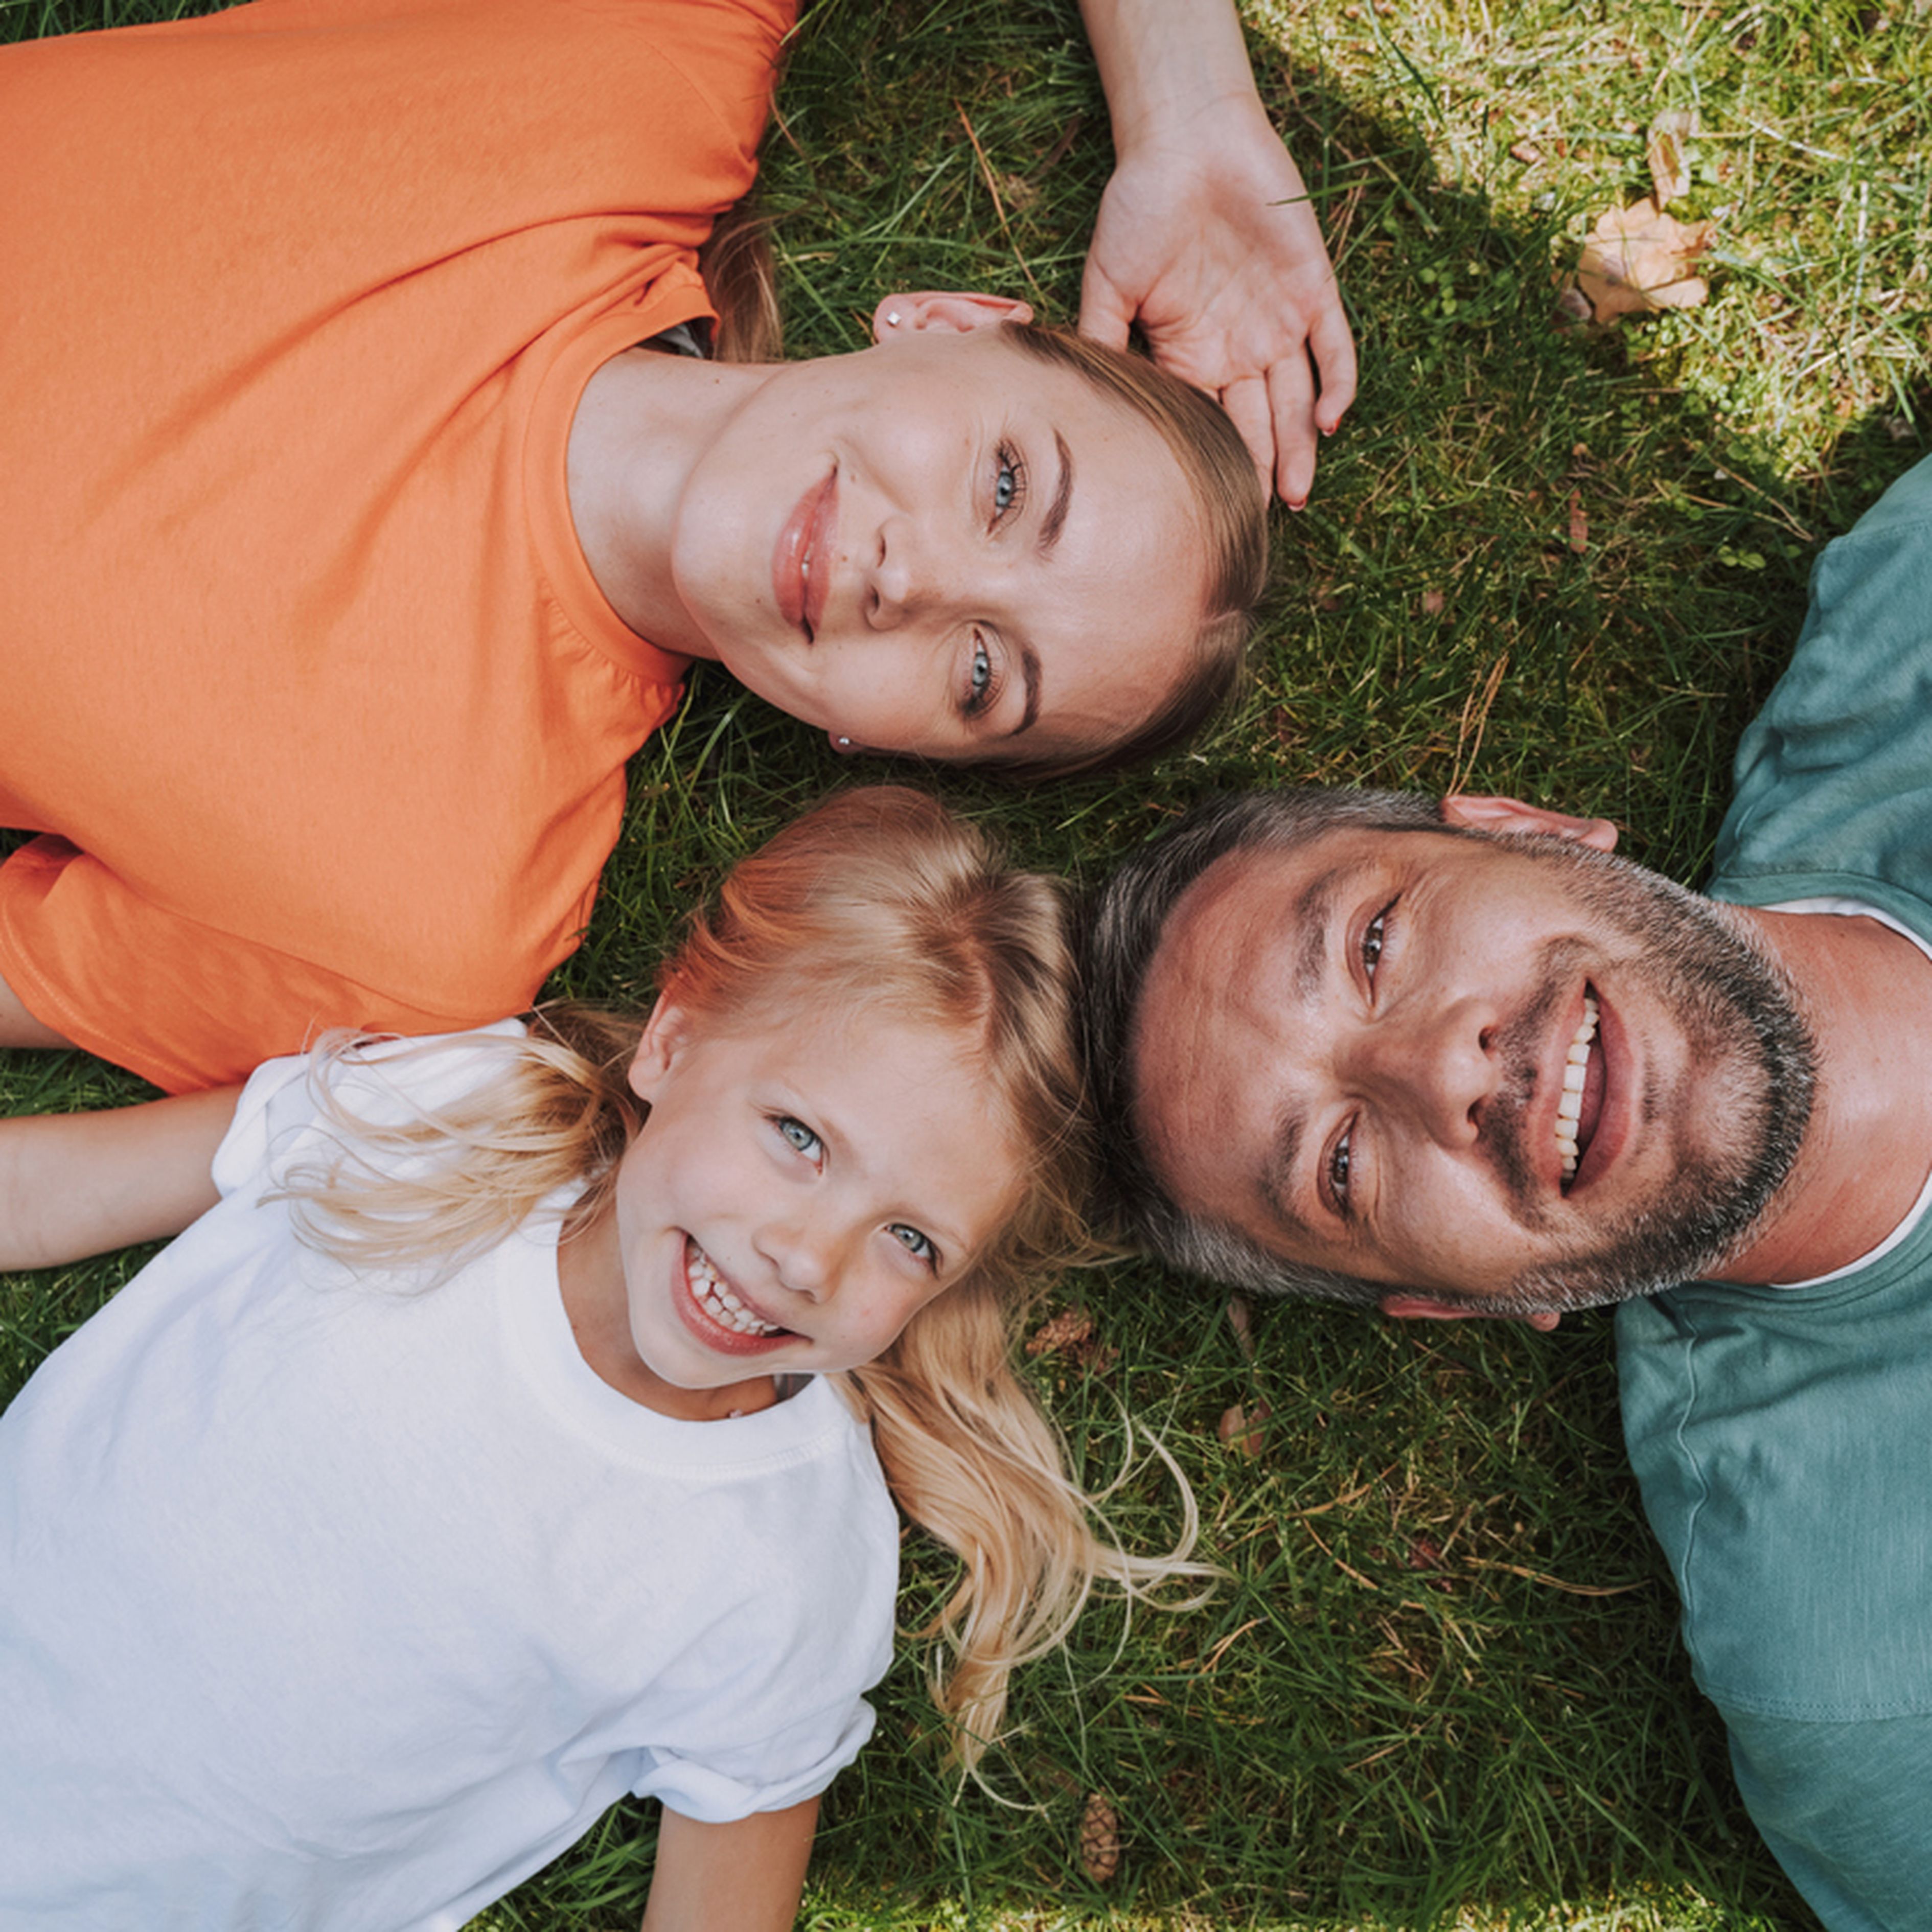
(1354, 1053)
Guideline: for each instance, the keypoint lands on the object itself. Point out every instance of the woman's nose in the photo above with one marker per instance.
(914, 574)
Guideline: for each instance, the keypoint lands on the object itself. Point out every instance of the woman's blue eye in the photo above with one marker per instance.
(798, 1136)
(1009, 481)
(982, 671)
(982, 683)
(919, 1246)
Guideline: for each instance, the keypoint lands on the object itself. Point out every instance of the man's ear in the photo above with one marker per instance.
(1423, 1308)
(1511, 814)
(944, 312)
(664, 1034)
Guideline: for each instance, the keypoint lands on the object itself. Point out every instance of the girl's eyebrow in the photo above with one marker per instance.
(1054, 521)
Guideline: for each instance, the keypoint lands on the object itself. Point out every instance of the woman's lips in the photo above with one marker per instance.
(802, 557)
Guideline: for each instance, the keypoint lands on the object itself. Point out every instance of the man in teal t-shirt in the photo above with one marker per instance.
(1472, 1064)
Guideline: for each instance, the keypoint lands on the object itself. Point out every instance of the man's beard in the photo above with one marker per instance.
(1743, 1032)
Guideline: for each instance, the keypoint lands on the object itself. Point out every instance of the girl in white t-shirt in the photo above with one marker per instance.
(520, 1425)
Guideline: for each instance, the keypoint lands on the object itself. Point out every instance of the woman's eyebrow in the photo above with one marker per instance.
(1054, 521)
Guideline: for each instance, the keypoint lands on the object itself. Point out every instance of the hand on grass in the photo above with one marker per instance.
(1214, 247)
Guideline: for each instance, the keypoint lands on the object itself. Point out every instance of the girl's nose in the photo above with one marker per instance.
(803, 1252)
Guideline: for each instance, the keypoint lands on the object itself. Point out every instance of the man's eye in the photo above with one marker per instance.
(1010, 481)
(919, 1246)
(798, 1136)
(1338, 1173)
(1372, 936)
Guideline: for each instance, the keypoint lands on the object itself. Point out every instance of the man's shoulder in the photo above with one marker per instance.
(1770, 1431)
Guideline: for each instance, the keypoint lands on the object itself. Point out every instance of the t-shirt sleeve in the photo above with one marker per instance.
(1843, 1807)
(797, 1764)
(384, 1082)
(205, 1006)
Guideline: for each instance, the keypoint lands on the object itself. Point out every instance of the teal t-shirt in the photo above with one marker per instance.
(1783, 1438)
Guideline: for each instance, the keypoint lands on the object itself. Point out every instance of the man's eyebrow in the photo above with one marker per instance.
(1054, 521)
(1276, 1186)
(1314, 908)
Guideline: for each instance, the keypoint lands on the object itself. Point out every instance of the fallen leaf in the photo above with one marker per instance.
(1527, 152)
(1241, 1320)
(1668, 153)
(1243, 1430)
(1638, 258)
(1099, 1839)
(1432, 602)
(1425, 1553)
(1064, 1334)
(1579, 523)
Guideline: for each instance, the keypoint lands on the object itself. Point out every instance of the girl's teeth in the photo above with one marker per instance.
(1570, 1107)
(717, 1301)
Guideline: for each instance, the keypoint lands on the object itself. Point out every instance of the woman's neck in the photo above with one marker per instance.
(643, 425)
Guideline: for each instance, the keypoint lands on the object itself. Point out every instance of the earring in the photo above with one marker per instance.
(892, 318)
(844, 744)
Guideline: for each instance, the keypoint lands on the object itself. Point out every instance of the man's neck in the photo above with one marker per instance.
(1867, 995)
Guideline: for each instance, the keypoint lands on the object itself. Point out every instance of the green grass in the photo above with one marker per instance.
(1442, 1688)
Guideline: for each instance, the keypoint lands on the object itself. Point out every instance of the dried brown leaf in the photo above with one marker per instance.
(1668, 153)
(1099, 1839)
(1245, 1430)
(1064, 1334)
(1527, 152)
(1638, 258)
(1241, 1319)
(1579, 523)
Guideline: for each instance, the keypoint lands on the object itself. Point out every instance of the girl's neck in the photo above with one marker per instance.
(643, 423)
(590, 1275)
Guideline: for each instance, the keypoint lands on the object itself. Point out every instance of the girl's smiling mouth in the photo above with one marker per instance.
(802, 557)
(716, 1313)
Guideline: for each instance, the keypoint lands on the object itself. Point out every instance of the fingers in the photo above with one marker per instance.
(1246, 399)
(1105, 315)
(1290, 388)
(1332, 346)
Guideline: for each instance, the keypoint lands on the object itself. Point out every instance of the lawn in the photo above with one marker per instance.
(1440, 1687)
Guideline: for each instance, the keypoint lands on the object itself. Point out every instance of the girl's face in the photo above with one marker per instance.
(799, 1191)
(943, 546)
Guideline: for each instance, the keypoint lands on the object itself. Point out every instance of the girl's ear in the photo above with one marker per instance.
(1511, 814)
(663, 1039)
(944, 312)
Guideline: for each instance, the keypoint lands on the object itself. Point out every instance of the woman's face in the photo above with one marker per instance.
(942, 545)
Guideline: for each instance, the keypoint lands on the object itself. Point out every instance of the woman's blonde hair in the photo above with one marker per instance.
(878, 899)
(1231, 511)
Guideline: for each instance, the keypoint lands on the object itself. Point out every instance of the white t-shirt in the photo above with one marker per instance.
(336, 1603)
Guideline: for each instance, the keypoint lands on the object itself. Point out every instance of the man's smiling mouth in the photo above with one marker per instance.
(1572, 1136)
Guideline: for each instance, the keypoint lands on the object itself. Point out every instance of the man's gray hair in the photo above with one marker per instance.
(1124, 927)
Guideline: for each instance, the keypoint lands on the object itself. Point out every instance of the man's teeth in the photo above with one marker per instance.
(1577, 1065)
(717, 1301)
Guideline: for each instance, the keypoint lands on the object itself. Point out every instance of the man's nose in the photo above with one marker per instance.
(1436, 1067)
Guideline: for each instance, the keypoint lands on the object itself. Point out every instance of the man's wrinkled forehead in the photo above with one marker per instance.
(1245, 938)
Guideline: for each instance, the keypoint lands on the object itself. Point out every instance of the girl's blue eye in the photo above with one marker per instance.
(919, 1246)
(1010, 482)
(798, 1136)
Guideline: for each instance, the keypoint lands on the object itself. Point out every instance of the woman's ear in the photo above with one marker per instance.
(944, 312)
(1511, 814)
(662, 1040)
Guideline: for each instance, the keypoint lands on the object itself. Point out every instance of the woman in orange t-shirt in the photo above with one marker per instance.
(354, 542)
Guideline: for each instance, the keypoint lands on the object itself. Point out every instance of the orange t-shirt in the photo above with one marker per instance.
(301, 669)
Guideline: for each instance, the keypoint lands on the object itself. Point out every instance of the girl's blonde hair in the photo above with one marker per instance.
(878, 899)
